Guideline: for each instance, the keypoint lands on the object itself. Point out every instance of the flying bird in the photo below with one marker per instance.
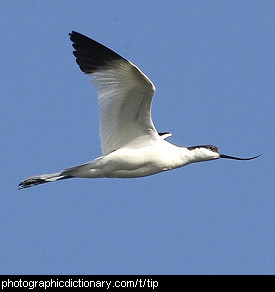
(131, 145)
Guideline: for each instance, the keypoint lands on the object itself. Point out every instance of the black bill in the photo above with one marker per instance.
(237, 158)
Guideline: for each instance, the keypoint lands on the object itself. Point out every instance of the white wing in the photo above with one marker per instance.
(124, 95)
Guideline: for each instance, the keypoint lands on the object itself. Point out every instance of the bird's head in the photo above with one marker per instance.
(210, 152)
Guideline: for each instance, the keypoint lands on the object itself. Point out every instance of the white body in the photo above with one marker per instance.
(138, 162)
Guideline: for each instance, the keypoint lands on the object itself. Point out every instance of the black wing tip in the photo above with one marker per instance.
(77, 36)
(90, 54)
(27, 183)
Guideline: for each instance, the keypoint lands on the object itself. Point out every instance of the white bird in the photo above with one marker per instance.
(130, 143)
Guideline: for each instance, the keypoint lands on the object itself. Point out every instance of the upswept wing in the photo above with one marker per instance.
(124, 95)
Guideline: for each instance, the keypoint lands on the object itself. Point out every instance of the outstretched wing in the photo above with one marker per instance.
(124, 95)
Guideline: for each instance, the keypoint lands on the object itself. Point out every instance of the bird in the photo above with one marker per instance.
(131, 145)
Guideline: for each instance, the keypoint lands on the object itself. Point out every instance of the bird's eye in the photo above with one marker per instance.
(213, 148)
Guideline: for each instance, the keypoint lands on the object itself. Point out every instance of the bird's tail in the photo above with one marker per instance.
(41, 179)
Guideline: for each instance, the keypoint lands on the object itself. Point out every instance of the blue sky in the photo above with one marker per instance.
(212, 63)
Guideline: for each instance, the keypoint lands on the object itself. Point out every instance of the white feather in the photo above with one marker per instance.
(124, 97)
